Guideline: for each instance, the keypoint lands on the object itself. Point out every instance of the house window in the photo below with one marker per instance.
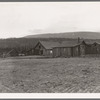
(50, 51)
(39, 47)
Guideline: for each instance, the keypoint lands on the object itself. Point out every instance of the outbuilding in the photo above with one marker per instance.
(45, 48)
(66, 48)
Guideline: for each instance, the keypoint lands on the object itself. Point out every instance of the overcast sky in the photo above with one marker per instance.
(27, 18)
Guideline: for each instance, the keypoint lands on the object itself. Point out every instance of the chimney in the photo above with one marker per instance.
(78, 39)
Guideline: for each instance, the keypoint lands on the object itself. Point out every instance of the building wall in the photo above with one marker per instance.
(56, 52)
(66, 52)
(49, 53)
(62, 52)
(86, 49)
(39, 50)
(82, 49)
(98, 49)
(93, 49)
(76, 51)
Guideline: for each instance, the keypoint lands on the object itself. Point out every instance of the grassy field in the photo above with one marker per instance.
(52, 75)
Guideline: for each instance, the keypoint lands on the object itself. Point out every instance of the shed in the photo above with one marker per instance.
(66, 48)
(45, 48)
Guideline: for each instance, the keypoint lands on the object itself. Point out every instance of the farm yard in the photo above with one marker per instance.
(49, 75)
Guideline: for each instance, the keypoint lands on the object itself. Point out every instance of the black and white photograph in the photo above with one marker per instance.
(50, 47)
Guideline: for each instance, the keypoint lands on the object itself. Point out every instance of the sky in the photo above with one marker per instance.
(18, 19)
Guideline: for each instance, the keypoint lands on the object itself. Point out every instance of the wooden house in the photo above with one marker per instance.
(72, 49)
(66, 48)
(69, 49)
(45, 48)
(57, 49)
(93, 48)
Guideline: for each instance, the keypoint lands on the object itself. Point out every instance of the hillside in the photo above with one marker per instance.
(85, 35)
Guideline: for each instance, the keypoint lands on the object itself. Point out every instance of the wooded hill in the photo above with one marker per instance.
(83, 34)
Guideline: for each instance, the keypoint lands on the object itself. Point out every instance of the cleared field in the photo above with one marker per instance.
(52, 75)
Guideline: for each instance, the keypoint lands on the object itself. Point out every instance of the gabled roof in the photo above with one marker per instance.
(92, 42)
(50, 44)
(67, 43)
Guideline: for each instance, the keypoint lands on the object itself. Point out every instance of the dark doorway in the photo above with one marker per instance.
(36, 52)
(41, 52)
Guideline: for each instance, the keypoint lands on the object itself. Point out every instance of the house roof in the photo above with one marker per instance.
(67, 43)
(50, 44)
(92, 42)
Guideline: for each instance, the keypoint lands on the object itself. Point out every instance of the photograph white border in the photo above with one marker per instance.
(50, 95)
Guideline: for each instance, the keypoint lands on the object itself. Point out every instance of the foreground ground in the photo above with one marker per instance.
(52, 75)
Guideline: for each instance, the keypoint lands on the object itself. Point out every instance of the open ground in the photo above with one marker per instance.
(50, 75)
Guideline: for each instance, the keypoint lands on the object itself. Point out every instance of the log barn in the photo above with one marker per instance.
(45, 48)
(71, 49)
(66, 48)
(93, 48)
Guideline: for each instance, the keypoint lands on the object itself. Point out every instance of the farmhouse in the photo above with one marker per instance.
(70, 49)
(55, 48)
(77, 49)
(45, 48)
(66, 48)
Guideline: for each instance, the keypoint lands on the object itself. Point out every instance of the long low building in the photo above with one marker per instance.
(66, 48)
(70, 50)
(45, 48)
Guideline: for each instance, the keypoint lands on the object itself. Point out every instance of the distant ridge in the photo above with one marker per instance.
(85, 35)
